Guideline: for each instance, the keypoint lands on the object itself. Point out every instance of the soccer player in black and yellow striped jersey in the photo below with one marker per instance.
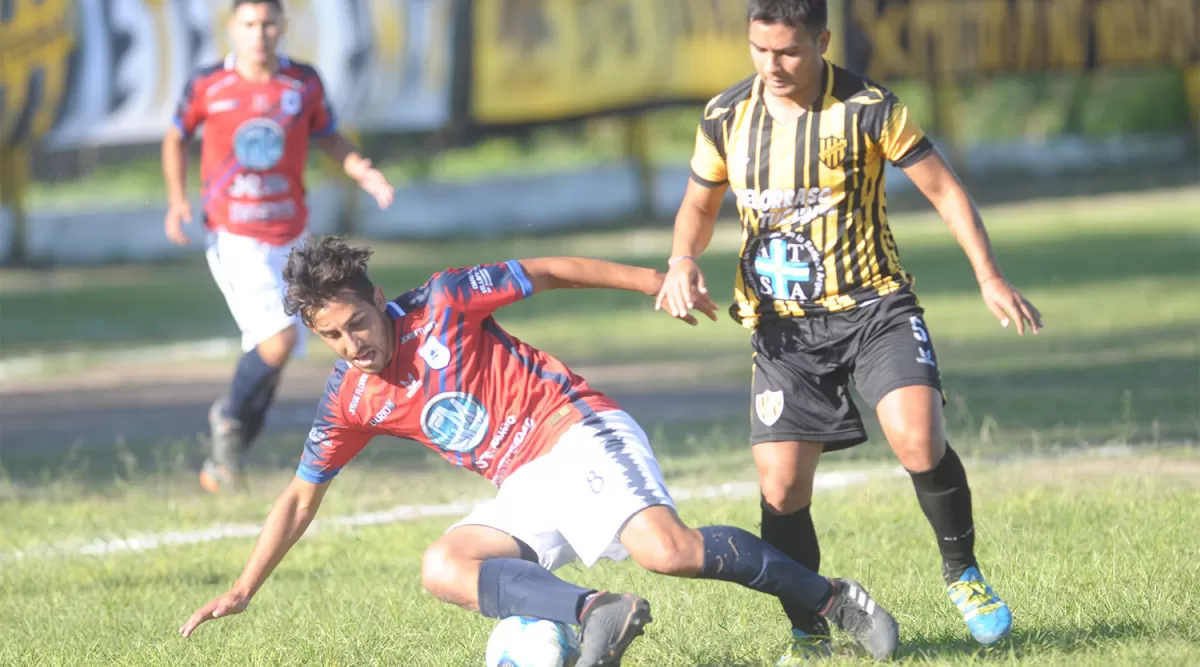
(803, 144)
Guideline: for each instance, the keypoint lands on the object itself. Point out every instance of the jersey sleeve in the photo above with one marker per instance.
(332, 442)
(481, 289)
(189, 112)
(708, 158)
(901, 139)
(321, 121)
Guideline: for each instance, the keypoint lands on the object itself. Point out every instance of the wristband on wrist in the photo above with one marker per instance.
(679, 258)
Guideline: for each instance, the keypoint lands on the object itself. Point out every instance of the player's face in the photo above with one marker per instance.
(788, 59)
(255, 29)
(357, 330)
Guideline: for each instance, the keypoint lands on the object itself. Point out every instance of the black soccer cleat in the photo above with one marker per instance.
(856, 614)
(608, 625)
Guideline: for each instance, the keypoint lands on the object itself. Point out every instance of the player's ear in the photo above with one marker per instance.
(380, 299)
(823, 42)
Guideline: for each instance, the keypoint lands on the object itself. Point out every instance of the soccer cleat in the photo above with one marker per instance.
(608, 624)
(855, 613)
(805, 648)
(987, 616)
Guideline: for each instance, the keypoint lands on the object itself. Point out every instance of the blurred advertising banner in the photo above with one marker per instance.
(37, 38)
(537, 60)
(386, 64)
(903, 39)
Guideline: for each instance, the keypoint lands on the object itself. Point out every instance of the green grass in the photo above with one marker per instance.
(1096, 557)
(1113, 277)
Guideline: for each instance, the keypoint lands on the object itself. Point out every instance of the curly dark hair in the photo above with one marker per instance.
(322, 269)
(810, 14)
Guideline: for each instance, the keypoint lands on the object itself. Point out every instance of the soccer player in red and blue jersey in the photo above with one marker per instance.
(576, 475)
(260, 111)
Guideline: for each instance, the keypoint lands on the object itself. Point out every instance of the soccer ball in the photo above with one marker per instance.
(522, 641)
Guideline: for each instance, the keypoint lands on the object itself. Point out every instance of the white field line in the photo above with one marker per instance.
(401, 513)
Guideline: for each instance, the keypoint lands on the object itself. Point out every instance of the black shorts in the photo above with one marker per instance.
(803, 368)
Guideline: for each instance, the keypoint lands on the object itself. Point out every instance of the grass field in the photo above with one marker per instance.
(1118, 360)
(1097, 558)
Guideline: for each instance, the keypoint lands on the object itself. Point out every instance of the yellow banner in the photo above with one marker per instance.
(537, 60)
(35, 47)
(901, 39)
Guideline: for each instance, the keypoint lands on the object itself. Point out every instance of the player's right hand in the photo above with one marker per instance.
(178, 214)
(681, 289)
(226, 605)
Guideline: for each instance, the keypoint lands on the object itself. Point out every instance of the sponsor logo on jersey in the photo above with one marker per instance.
(382, 414)
(358, 392)
(455, 421)
(258, 144)
(420, 331)
(290, 102)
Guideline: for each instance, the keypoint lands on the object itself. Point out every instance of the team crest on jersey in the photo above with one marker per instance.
(833, 151)
(784, 267)
(769, 406)
(435, 354)
(455, 421)
(289, 101)
(258, 144)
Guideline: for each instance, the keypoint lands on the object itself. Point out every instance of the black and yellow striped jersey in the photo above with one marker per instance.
(810, 194)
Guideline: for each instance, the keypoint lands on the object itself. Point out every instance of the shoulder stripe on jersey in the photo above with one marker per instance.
(519, 273)
(395, 310)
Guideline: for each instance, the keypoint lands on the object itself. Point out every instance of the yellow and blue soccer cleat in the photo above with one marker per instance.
(805, 648)
(987, 616)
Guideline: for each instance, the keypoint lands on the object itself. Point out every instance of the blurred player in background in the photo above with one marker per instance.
(259, 111)
(803, 144)
(576, 475)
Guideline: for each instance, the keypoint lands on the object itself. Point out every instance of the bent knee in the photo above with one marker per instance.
(678, 553)
(785, 494)
(449, 577)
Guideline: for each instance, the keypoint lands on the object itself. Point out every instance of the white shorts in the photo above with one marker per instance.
(575, 499)
(250, 275)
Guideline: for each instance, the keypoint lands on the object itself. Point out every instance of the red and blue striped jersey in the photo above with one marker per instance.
(457, 383)
(255, 146)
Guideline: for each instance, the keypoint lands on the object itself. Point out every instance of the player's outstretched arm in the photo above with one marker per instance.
(289, 518)
(694, 224)
(938, 182)
(582, 272)
(343, 151)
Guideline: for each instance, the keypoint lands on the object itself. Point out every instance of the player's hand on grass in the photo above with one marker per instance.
(682, 290)
(226, 605)
(1007, 304)
(179, 213)
(373, 182)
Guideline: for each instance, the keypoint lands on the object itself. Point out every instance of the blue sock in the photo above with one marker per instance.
(252, 376)
(514, 587)
(734, 555)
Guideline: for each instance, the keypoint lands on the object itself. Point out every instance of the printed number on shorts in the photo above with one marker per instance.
(924, 350)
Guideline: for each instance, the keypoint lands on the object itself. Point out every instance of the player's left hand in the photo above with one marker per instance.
(374, 183)
(1007, 304)
(226, 605)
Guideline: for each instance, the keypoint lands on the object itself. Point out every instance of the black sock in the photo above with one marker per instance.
(796, 537)
(254, 417)
(734, 555)
(251, 393)
(515, 587)
(946, 500)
